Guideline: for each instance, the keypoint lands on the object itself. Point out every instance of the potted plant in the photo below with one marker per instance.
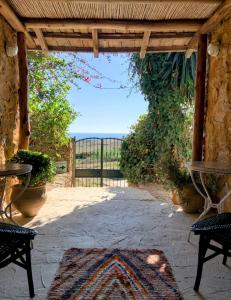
(183, 189)
(43, 170)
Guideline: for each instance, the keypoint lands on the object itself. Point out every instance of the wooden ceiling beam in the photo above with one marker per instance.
(123, 25)
(95, 42)
(117, 49)
(113, 36)
(145, 44)
(138, 1)
(7, 12)
(41, 40)
(223, 12)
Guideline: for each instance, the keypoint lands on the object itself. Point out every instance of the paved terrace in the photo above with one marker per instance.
(126, 218)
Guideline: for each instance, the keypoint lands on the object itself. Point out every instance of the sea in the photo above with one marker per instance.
(84, 135)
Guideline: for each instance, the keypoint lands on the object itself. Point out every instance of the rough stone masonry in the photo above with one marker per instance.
(9, 85)
(218, 115)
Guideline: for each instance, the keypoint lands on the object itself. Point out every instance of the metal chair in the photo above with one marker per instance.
(218, 229)
(15, 247)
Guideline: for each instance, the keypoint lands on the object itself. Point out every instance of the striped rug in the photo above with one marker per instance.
(103, 274)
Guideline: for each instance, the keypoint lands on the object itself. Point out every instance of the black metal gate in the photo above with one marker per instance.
(97, 162)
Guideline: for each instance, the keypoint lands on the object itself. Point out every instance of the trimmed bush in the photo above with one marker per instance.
(43, 167)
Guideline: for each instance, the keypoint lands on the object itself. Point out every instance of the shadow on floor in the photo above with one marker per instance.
(112, 218)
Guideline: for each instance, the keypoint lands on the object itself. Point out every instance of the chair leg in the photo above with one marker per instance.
(225, 255)
(29, 271)
(189, 236)
(203, 246)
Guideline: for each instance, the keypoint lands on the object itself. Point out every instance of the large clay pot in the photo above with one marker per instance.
(190, 200)
(30, 202)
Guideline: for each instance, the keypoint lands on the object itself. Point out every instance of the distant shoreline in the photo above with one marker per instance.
(84, 135)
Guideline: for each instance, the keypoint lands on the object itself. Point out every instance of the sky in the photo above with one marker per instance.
(106, 110)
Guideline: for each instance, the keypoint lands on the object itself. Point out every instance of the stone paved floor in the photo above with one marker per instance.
(125, 218)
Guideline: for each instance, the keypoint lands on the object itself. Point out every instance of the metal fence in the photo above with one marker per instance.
(97, 162)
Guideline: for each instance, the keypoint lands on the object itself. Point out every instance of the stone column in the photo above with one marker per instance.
(9, 84)
(218, 115)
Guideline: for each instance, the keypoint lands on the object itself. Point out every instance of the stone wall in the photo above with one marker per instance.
(63, 153)
(9, 84)
(218, 116)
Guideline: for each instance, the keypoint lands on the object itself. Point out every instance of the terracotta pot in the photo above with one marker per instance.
(175, 197)
(190, 200)
(30, 202)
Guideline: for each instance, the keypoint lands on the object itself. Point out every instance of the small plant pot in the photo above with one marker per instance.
(30, 202)
(175, 197)
(190, 200)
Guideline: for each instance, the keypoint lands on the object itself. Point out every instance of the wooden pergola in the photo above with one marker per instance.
(116, 26)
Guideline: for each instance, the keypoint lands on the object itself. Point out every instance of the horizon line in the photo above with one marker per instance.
(95, 132)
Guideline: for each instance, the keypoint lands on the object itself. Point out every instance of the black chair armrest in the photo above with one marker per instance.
(10, 230)
(218, 223)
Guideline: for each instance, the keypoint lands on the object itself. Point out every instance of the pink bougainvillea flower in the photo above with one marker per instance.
(87, 79)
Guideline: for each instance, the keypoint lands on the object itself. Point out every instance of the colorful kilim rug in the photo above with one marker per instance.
(103, 274)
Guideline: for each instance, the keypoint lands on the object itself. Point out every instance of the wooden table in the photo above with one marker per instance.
(209, 167)
(10, 170)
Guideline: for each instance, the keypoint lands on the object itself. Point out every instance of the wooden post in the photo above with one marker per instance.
(24, 133)
(73, 141)
(101, 164)
(198, 129)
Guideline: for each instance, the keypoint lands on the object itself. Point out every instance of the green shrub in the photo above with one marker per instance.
(43, 167)
(178, 174)
(138, 152)
(51, 114)
(147, 152)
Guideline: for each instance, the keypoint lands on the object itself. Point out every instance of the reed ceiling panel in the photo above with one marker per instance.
(130, 10)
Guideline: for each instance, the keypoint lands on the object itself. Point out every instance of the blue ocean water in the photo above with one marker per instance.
(85, 135)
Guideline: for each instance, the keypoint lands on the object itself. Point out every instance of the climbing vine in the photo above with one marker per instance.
(164, 133)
